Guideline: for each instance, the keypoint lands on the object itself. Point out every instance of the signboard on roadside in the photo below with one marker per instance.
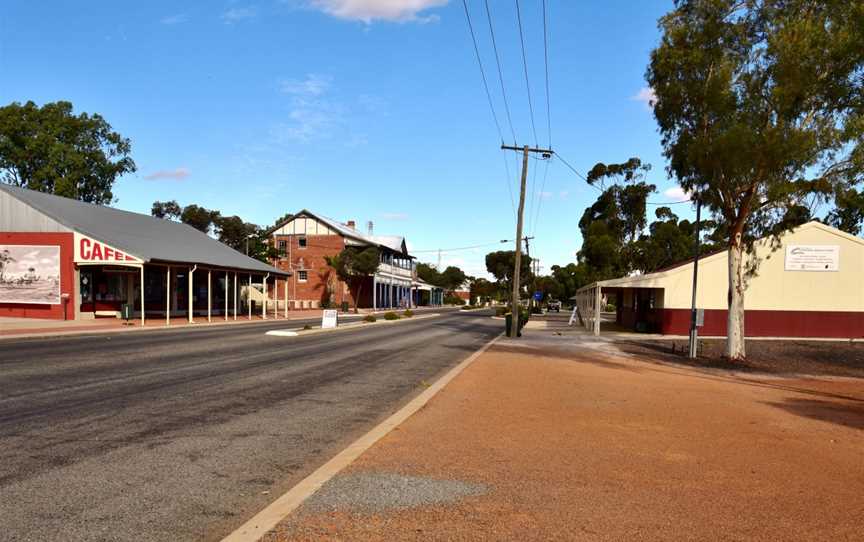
(329, 319)
(538, 296)
(812, 258)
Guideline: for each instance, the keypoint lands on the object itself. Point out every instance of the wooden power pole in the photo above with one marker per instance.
(514, 300)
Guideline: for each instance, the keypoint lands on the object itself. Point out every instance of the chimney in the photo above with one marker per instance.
(351, 224)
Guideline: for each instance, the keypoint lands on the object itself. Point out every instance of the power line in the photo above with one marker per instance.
(546, 65)
(482, 71)
(500, 73)
(491, 106)
(525, 66)
(460, 248)
(574, 170)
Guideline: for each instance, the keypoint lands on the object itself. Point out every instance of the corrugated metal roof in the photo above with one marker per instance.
(149, 238)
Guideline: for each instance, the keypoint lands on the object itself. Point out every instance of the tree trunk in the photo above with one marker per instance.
(735, 318)
(357, 299)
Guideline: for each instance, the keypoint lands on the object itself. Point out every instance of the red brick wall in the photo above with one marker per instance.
(67, 275)
(311, 259)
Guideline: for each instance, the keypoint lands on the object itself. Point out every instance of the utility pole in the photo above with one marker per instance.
(694, 333)
(531, 262)
(514, 301)
(438, 267)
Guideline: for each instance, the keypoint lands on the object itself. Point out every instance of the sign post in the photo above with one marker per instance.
(329, 319)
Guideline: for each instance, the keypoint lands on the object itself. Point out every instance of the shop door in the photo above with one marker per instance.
(86, 289)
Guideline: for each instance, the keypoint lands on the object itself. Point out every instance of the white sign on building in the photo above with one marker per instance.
(812, 258)
(329, 319)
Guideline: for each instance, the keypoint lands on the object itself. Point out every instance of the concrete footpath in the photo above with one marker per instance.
(560, 436)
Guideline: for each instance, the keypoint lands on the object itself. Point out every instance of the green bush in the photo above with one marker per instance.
(369, 318)
(501, 310)
(307, 327)
(468, 307)
(390, 315)
(408, 313)
(609, 308)
(453, 299)
(325, 303)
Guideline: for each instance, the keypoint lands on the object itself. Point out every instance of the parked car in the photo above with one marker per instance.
(554, 305)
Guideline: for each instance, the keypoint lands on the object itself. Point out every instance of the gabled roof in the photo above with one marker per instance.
(392, 242)
(687, 264)
(149, 238)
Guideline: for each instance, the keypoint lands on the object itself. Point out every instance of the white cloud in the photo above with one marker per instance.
(563, 194)
(312, 85)
(234, 15)
(310, 120)
(647, 96)
(174, 19)
(175, 174)
(383, 10)
(394, 216)
(676, 193)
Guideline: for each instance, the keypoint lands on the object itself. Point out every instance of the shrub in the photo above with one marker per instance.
(390, 315)
(453, 299)
(468, 307)
(369, 318)
(609, 308)
(501, 310)
(536, 310)
(307, 327)
(408, 313)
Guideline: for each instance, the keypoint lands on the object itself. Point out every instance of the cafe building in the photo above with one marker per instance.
(63, 259)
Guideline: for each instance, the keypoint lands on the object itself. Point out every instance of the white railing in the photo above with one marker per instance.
(394, 270)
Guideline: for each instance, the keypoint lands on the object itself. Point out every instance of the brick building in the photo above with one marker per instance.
(305, 239)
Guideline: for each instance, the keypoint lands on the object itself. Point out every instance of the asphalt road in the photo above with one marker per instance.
(183, 435)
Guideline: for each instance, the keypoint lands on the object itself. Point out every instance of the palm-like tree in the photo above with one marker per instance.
(5, 258)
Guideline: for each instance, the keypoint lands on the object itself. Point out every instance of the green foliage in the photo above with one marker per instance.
(307, 327)
(501, 264)
(390, 315)
(453, 299)
(469, 307)
(408, 313)
(483, 289)
(169, 210)
(353, 265)
(848, 213)
(199, 218)
(370, 318)
(49, 149)
(760, 106)
(501, 310)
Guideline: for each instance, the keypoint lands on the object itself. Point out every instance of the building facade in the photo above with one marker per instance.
(305, 240)
(808, 284)
(64, 259)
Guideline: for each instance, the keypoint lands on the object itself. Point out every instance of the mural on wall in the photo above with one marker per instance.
(30, 274)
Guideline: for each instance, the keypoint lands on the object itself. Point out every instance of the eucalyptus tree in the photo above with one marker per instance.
(760, 107)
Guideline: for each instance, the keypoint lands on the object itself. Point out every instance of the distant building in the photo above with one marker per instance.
(304, 241)
(811, 285)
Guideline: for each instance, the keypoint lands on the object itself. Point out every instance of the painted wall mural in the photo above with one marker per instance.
(30, 274)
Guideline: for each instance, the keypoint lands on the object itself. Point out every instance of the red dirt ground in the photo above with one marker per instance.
(579, 444)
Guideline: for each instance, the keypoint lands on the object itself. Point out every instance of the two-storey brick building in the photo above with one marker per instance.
(305, 239)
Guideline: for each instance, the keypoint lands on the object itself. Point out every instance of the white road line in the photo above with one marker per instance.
(267, 519)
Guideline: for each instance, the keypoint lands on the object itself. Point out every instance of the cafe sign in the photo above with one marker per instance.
(812, 258)
(89, 250)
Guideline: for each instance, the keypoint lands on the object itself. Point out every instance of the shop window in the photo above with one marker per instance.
(302, 276)
(301, 242)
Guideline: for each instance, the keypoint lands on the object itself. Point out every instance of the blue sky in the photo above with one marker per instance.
(357, 109)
